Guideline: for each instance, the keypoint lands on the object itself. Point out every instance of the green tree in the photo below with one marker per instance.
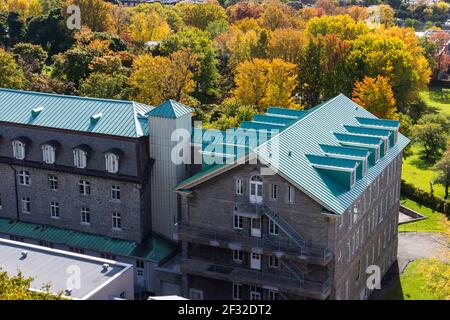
(431, 136)
(31, 57)
(4, 37)
(200, 15)
(11, 76)
(16, 28)
(104, 85)
(443, 169)
(72, 65)
(199, 43)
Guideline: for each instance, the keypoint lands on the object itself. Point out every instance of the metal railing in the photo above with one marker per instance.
(238, 274)
(205, 233)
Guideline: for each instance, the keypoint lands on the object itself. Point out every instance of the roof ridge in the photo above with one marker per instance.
(66, 96)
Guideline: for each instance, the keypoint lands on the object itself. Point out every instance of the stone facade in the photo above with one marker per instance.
(348, 243)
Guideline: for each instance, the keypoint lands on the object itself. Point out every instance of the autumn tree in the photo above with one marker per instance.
(242, 10)
(264, 83)
(157, 79)
(431, 136)
(276, 16)
(11, 76)
(287, 44)
(25, 8)
(342, 25)
(148, 26)
(30, 57)
(200, 15)
(376, 96)
(104, 85)
(95, 14)
(443, 169)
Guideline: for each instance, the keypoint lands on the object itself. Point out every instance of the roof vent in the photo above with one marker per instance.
(289, 153)
(24, 254)
(95, 118)
(68, 291)
(105, 266)
(36, 111)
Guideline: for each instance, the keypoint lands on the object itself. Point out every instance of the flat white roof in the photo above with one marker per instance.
(167, 298)
(83, 274)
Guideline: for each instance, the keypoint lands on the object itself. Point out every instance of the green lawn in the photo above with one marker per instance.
(436, 222)
(412, 284)
(419, 172)
(438, 98)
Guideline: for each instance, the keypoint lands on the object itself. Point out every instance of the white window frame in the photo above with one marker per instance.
(272, 295)
(48, 154)
(274, 230)
(237, 291)
(238, 256)
(290, 194)
(111, 162)
(352, 178)
(273, 192)
(26, 205)
(85, 216)
(18, 149)
(239, 187)
(79, 158)
(24, 178)
(238, 222)
(54, 210)
(274, 262)
(53, 182)
(115, 193)
(84, 187)
(116, 221)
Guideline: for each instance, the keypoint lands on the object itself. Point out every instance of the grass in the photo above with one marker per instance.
(437, 98)
(414, 283)
(420, 172)
(435, 222)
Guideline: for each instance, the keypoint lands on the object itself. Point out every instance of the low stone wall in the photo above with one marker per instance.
(415, 216)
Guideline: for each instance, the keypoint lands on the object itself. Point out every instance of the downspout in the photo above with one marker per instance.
(16, 192)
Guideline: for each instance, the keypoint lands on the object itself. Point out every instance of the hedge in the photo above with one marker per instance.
(425, 198)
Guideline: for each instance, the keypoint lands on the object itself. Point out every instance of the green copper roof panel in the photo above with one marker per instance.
(357, 139)
(345, 151)
(274, 120)
(331, 161)
(112, 117)
(153, 248)
(170, 109)
(368, 131)
(261, 126)
(393, 124)
(306, 136)
(286, 112)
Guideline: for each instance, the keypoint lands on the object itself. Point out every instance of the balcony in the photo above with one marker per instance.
(224, 238)
(286, 284)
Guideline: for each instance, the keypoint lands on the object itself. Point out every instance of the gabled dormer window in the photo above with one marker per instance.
(364, 167)
(112, 162)
(80, 155)
(353, 178)
(377, 154)
(18, 149)
(48, 153)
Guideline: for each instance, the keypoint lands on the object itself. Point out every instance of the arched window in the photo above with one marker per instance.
(79, 158)
(112, 162)
(256, 189)
(48, 153)
(18, 149)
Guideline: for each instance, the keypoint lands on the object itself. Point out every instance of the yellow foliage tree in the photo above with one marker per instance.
(376, 96)
(26, 8)
(157, 79)
(95, 14)
(287, 44)
(148, 26)
(264, 83)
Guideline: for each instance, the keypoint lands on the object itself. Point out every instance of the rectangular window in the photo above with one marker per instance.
(18, 150)
(273, 295)
(115, 193)
(274, 262)
(238, 222)
(24, 178)
(291, 194)
(107, 256)
(84, 187)
(54, 210)
(140, 268)
(273, 228)
(85, 215)
(53, 182)
(237, 291)
(238, 256)
(239, 187)
(76, 250)
(116, 221)
(26, 205)
(273, 191)
(352, 178)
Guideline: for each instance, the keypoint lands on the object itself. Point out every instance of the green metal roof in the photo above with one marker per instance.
(354, 138)
(170, 109)
(153, 248)
(393, 124)
(345, 151)
(332, 161)
(286, 112)
(274, 120)
(102, 116)
(368, 131)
